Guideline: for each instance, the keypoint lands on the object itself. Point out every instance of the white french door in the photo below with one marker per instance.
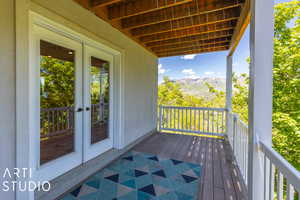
(57, 102)
(98, 136)
(71, 110)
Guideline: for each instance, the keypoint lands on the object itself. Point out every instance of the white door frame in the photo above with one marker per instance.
(92, 150)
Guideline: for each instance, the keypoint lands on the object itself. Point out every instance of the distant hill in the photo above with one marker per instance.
(198, 88)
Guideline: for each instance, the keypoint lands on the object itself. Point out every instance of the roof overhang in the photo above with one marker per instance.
(176, 27)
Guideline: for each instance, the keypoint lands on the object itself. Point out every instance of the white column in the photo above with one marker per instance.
(228, 94)
(260, 90)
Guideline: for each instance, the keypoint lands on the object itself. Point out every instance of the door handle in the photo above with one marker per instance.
(87, 108)
(79, 110)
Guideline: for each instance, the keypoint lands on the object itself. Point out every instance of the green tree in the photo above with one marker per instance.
(57, 82)
(286, 82)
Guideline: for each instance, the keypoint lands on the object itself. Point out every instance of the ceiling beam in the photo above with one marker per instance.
(200, 43)
(140, 7)
(181, 53)
(196, 47)
(241, 27)
(188, 22)
(177, 12)
(213, 35)
(189, 32)
(103, 3)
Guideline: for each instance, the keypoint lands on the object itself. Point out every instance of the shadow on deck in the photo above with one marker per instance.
(221, 179)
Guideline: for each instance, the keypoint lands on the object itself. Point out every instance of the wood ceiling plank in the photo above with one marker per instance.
(181, 53)
(176, 13)
(189, 32)
(140, 7)
(191, 44)
(196, 21)
(103, 3)
(196, 47)
(206, 36)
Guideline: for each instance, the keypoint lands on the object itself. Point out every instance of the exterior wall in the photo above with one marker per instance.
(7, 91)
(139, 70)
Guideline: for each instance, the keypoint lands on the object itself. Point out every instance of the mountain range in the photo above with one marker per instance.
(197, 87)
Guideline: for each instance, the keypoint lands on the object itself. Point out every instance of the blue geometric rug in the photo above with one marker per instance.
(141, 176)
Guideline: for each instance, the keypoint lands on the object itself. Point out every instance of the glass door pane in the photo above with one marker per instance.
(57, 100)
(99, 95)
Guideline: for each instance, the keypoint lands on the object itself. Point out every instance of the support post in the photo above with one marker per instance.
(260, 91)
(228, 95)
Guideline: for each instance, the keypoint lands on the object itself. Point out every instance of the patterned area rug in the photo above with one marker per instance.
(141, 176)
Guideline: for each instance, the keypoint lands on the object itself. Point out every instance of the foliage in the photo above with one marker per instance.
(286, 82)
(57, 83)
(240, 96)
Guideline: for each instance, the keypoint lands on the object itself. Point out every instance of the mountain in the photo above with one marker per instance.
(197, 87)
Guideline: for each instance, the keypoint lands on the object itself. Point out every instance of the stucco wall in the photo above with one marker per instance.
(140, 66)
(7, 91)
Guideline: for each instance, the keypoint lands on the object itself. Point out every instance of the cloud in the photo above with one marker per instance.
(209, 73)
(161, 70)
(190, 73)
(188, 57)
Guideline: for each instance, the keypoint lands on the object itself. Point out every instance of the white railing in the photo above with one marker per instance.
(60, 120)
(209, 121)
(56, 121)
(239, 138)
(281, 179)
(99, 113)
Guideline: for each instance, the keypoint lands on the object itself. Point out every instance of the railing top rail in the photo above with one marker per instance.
(194, 108)
(57, 108)
(242, 123)
(292, 175)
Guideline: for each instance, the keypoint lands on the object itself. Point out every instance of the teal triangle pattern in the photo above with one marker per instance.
(141, 176)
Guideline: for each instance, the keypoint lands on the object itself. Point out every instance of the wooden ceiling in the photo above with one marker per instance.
(176, 27)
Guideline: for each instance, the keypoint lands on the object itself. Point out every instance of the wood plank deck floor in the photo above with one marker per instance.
(220, 180)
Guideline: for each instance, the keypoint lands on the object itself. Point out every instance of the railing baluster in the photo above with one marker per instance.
(212, 122)
(186, 119)
(182, 119)
(223, 128)
(48, 121)
(271, 182)
(190, 121)
(174, 115)
(208, 118)
(168, 117)
(195, 120)
(178, 120)
(290, 192)
(203, 120)
(265, 178)
(218, 115)
(279, 186)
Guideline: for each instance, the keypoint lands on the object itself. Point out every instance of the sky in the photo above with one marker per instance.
(208, 64)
